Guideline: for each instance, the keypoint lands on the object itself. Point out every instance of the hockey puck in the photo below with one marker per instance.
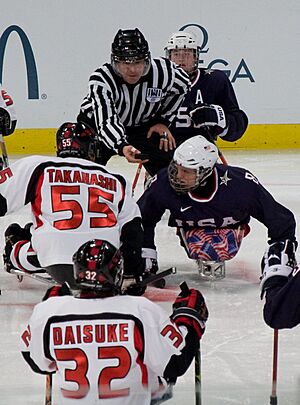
(0, 292)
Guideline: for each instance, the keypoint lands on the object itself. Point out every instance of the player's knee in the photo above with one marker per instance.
(216, 245)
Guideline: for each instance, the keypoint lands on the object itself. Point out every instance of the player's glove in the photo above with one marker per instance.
(150, 261)
(191, 311)
(13, 234)
(130, 286)
(278, 260)
(8, 118)
(211, 118)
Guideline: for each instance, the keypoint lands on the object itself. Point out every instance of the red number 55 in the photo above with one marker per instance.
(61, 203)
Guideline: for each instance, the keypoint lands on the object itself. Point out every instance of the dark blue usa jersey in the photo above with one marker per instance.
(210, 86)
(231, 197)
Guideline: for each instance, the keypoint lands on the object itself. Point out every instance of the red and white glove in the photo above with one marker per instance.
(8, 118)
(191, 311)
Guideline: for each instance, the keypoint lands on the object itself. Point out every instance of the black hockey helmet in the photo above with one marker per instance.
(130, 46)
(98, 266)
(76, 140)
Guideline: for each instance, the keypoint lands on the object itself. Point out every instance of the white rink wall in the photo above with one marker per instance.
(257, 41)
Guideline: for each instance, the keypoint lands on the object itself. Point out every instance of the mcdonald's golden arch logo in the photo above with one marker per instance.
(31, 70)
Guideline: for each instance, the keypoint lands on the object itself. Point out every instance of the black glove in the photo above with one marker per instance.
(7, 126)
(191, 311)
(278, 260)
(211, 118)
(130, 286)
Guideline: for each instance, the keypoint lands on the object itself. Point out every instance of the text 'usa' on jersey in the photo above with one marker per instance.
(210, 86)
(230, 198)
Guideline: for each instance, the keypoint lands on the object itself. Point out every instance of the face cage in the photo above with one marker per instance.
(131, 59)
(196, 57)
(178, 187)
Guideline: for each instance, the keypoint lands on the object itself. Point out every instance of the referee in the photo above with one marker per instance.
(132, 101)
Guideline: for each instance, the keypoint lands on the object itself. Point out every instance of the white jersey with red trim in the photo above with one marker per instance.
(105, 350)
(72, 201)
(7, 103)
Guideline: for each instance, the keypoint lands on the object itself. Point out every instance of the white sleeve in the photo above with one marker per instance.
(162, 338)
(32, 343)
(15, 183)
(130, 209)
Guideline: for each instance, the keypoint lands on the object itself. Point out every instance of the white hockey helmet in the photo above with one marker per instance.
(195, 153)
(183, 40)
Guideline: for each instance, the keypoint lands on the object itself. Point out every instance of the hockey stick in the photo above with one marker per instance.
(3, 150)
(48, 391)
(222, 158)
(212, 138)
(2, 143)
(185, 291)
(273, 396)
(148, 280)
(156, 277)
(136, 177)
(35, 276)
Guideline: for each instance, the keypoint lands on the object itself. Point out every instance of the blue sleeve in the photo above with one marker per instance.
(237, 120)
(152, 209)
(279, 220)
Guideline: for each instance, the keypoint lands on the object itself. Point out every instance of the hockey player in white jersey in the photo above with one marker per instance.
(108, 348)
(72, 201)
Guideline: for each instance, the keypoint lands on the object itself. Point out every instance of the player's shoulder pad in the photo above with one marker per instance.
(57, 291)
(214, 74)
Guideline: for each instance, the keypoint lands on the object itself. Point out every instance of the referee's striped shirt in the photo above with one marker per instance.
(114, 105)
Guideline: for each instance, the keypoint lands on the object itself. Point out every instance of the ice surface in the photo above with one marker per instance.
(237, 346)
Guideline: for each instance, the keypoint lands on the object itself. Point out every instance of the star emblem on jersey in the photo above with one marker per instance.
(208, 71)
(225, 179)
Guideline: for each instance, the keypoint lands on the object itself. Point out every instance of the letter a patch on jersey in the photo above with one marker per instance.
(154, 94)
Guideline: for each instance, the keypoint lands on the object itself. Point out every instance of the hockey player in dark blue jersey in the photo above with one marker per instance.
(211, 102)
(210, 205)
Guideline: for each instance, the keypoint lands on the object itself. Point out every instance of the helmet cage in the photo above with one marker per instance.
(77, 140)
(180, 188)
(183, 40)
(98, 266)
